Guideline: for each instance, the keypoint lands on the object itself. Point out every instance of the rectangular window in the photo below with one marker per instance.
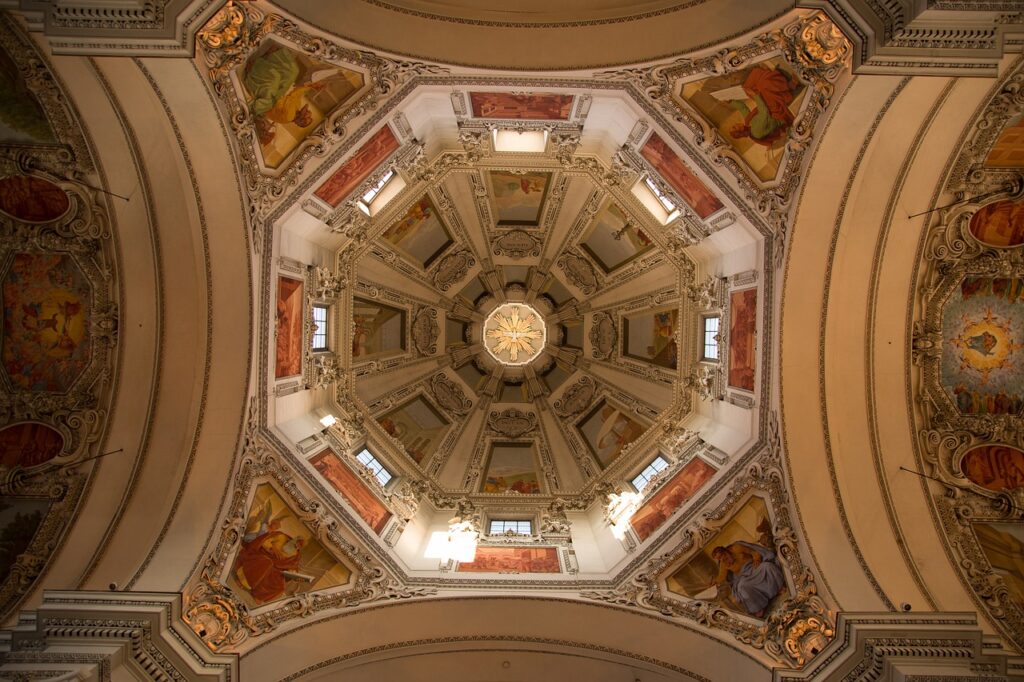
(516, 526)
(711, 325)
(645, 476)
(320, 333)
(371, 462)
(665, 201)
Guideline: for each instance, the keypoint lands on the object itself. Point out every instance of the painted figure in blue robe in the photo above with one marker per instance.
(752, 573)
(982, 343)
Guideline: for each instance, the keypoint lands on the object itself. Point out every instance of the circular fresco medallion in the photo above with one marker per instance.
(514, 333)
(999, 224)
(32, 200)
(994, 467)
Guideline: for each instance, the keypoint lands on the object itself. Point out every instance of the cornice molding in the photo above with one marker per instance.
(89, 635)
(921, 646)
(914, 37)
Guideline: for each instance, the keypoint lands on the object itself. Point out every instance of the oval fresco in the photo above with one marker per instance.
(29, 444)
(999, 224)
(46, 306)
(982, 337)
(32, 200)
(994, 467)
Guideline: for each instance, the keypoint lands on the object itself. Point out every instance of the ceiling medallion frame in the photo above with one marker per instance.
(514, 330)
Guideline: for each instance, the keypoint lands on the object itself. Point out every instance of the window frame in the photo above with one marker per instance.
(655, 470)
(327, 328)
(370, 465)
(704, 337)
(505, 522)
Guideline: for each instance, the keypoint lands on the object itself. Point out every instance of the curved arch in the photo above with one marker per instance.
(607, 636)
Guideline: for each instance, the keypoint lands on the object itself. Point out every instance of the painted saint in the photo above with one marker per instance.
(752, 574)
(288, 93)
(772, 91)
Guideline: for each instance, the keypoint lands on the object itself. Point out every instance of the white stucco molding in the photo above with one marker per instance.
(898, 647)
(91, 635)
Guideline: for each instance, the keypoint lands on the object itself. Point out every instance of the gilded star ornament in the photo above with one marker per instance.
(514, 330)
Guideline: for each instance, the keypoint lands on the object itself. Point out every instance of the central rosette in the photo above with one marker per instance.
(514, 333)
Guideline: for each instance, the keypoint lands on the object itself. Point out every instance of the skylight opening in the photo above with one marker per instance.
(515, 526)
(529, 141)
(319, 340)
(656, 201)
(711, 327)
(657, 465)
(383, 191)
(380, 472)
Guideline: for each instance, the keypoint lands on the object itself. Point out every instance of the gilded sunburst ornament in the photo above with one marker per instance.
(514, 333)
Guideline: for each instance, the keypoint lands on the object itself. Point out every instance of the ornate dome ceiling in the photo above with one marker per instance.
(453, 341)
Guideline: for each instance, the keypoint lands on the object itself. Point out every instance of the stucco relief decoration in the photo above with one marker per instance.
(603, 336)
(272, 520)
(580, 272)
(516, 244)
(512, 423)
(968, 343)
(449, 395)
(59, 331)
(290, 96)
(425, 331)
(738, 568)
(452, 269)
(576, 398)
(756, 113)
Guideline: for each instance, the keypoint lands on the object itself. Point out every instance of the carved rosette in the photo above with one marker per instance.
(603, 336)
(425, 331)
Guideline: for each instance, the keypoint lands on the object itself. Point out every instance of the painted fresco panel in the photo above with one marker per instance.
(513, 560)
(377, 329)
(511, 468)
(47, 312)
(32, 200)
(983, 334)
(607, 429)
(22, 120)
(677, 174)
(289, 327)
(279, 557)
(1008, 151)
(1000, 223)
(651, 337)
(418, 426)
(366, 159)
(420, 234)
(670, 497)
(994, 467)
(519, 198)
(612, 240)
(289, 93)
(352, 488)
(753, 109)
(739, 569)
(743, 338)
(29, 444)
(1003, 545)
(530, 107)
(20, 518)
